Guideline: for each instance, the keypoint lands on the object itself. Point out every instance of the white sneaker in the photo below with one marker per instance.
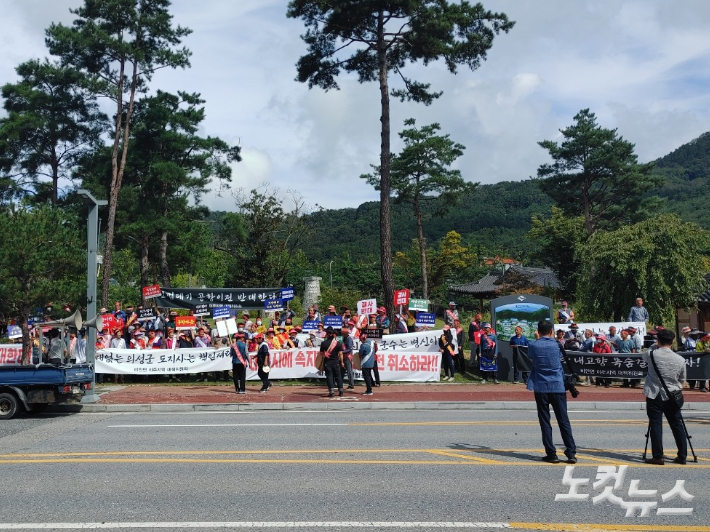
(451, 379)
(483, 381)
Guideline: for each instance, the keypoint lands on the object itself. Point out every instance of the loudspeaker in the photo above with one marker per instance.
(96, 323)
(73, 320)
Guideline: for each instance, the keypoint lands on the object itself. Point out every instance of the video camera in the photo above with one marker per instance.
(570, 376)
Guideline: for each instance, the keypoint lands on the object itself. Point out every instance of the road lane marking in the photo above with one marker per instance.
(606, 527)
(201, 425)
(466, 457)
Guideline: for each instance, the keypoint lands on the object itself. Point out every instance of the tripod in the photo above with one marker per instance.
(685, 429)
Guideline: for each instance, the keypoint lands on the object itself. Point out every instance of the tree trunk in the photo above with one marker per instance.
(164, 268)
(422, 248)
(26, 342)
(145, 263)
(54, 163)
(385, 215)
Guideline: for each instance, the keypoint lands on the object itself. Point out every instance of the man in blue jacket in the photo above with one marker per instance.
(547, 381)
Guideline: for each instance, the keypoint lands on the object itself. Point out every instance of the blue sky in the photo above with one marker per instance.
(640, 65)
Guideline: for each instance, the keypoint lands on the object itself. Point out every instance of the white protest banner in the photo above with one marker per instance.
(221, 328)
(412, 357)
(232, 326)
(603, 327)
(10, 354)
(367, 306)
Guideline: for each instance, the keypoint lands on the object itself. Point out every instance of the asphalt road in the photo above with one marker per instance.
(346, 470)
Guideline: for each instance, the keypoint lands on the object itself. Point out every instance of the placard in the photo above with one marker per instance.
(273, 305)
(14, 331)
(108, 322)
(185, 322)
(426, 319)
(333, 321)
(419, 304)
(367, 306)
(201, 310)
(221, 312)
(311, 325)
(231, 324)
(373, 333)
(401, 297)
(287, 294)
(222, 328)
(146, 314)
(151, 291)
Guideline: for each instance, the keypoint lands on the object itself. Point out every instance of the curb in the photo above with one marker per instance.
(96, 408)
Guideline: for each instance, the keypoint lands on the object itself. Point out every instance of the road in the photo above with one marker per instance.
(348, 470)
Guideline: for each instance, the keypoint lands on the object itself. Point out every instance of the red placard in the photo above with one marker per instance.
(401, 297)
(108, 322)
(151, 291)
(185, 322)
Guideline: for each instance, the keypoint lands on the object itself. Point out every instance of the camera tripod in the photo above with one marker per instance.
(685, 429)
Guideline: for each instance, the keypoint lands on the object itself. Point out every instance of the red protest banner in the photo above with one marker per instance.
(151, 291)
(185, 322)
(401, 297)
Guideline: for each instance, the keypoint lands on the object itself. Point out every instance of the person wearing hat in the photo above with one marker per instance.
(451, 314)
(332, 352)
(247, 321)
(367, 360)
(271, 339)
(382, 320)
(574, 332)
(240, 361)
(347, 346)
(687, 343)
(519, 340)
(263, 361)
(489, 354)
(603, 347)
(547, 381)
(703, 346)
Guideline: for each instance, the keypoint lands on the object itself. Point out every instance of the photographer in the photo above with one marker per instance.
(547, 381)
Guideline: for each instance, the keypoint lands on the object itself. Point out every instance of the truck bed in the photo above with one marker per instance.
(45, 374)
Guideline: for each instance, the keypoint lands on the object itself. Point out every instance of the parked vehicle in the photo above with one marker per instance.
(35, 387)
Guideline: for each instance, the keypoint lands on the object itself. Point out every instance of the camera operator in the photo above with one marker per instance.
(547, 381)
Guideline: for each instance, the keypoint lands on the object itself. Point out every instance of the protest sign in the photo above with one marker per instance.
(367, 306)
(311, 325)
(426, 319)
(273, 305)
(14, 331)
(287, 294)
(221, 312)
(185, 322)
(333, 321)
(401, 297)
(151, 291)
(201, 310)
(146, 314)
(419, 304)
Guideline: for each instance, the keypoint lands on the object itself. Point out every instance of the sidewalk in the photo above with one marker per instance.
(193, 396)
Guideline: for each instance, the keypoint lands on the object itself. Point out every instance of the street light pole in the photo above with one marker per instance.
(92, 244)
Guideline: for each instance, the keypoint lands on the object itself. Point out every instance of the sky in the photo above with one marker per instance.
(643, 66)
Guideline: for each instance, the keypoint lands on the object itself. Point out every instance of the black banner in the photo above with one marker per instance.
(240, 298)
(623, 365)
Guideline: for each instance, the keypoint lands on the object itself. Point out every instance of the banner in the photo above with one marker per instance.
(401, 297)
(287, 294)
(241, 298)
(426, 319)
(10, 354)
(146, 314)
(333, 321)
(14, 331)
(603, 327)
(310, 325)
(151, 291)
(367, 306)
(632, 365)
(201, 310)
(221, 312)
(412, 357)
(185, 322)
(273, 305)
(419, 304)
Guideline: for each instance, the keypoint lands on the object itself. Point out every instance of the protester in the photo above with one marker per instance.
(331, 351)
(347, 349)
(664, 367)
(367, 361)
(474, 329)
(263, 362)
(602, 346)
(638, 312)
(459, 339)
(547, 381)
(703, 346)
(489, 354)
(448, 351)
(382, 321)
(240, 362)
(451, 314)
(687, 343)
(565, 314)
(517, 341)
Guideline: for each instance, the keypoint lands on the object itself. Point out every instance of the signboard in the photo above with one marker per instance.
(367, 306)
(273, 305)
(241, 298)
(14, 331)
(185, 322)
(287, 294)
(221, 312)
(426, 319)
(108, 322)
(310, 325)
(419, 304)
(151, 291)
(401, 297)
(333, 321)
(10, 354)
(374, 333)
(222, 329)
(146, 314)
(231, 326)
(201, 310)
(603, 327)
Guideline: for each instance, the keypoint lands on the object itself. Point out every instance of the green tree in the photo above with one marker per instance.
(51, 121)
(658, 259)
(384, 37)
(560, 237)
(41, 259)
(596, 172)
(118, 45)
(421, 173)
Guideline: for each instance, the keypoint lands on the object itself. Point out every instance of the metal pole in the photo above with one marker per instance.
(92, 244)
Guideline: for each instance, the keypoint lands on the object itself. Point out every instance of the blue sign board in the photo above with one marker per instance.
(274, 304)
(221, 312)
(310, 325)
(333, 321)
(14, 331)
(287, 294)
(426, 319)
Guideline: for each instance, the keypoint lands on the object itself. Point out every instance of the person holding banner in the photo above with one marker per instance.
(367, 360)
(347, 357)
(240, 361)
(332, 353)
(516, 341)
(263, 362)
(448, 352)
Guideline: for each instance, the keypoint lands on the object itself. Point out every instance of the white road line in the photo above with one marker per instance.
(253, 524)
(231, 425)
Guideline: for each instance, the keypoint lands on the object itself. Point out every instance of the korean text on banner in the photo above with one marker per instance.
(310, 325)
(273, 305)
(151, 291)
(333, 321)
(14, 331)
(185, 322)
(287, 294)
(401, 297)
(221, 312)
(367, 306)
(419, 304)
(201, 310)
(426, 319)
